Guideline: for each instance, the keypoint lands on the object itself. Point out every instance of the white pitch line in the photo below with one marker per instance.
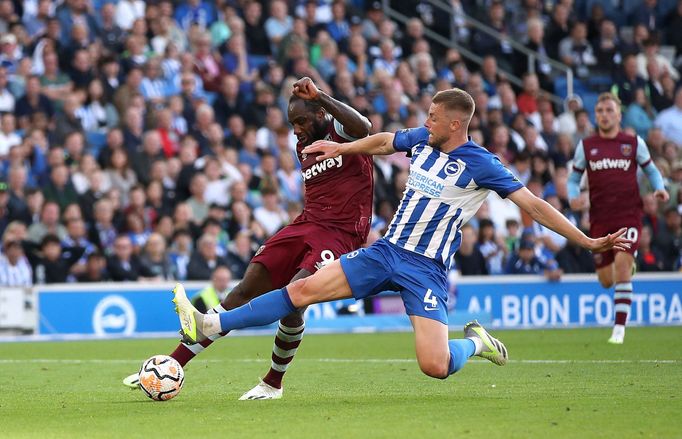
(321, 360)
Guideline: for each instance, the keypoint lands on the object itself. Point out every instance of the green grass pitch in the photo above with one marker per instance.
(559, 383)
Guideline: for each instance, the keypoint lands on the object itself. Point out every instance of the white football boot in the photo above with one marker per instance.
(262, 391)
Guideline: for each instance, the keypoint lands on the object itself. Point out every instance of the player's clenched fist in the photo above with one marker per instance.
(306, 89)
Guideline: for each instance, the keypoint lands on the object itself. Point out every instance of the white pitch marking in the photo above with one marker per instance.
(321, 360)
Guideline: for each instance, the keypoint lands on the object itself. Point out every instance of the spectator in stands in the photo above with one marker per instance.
(204, 259)
(491, 246)
(196, 202)
(34, 101)
(651, 54)
(649, 257)
(181, 252)
(278, 25)
(577, 52)
(49, 223)
(51, 262)
(639, 115)
(558, 29)
(575, 259)
(119, 175)
(151, 151)
(208, 65)
(469, 260)
(647, 14)
(96, 114)
(239, 253)
(339, 27)
(524, 261)
(290, 182)
(485, 44)
(230, 100)
(95, 269)
(270, 215)
(583, 125)
(213, 294)
(608, 48)
(155, 259)
(669, 238)
(7, 99)
(217, 185)
(77, 237)
(123, 264)
(183, 218)
(673, 24)
(669, 119)
(124, 93)
(15, 270)
(628, 81)
(103, 233)
(655, 91)
(8, 135)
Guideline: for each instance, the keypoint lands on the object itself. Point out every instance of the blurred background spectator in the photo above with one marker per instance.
(153, 135)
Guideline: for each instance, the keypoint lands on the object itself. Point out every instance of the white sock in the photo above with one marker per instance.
(210, 324)
(479, 345)
(618, 330)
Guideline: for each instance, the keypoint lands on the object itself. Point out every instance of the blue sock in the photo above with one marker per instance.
(260, 311)
(460, 351)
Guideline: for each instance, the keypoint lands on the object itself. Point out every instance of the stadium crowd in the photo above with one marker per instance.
(149, 140)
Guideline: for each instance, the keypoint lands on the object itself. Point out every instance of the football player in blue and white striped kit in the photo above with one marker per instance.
(450, 176)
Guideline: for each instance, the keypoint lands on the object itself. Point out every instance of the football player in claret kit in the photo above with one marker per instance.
(335, 220)
(450, 177)
(611, 158)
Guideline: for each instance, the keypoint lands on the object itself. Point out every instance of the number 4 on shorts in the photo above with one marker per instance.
(430, 299)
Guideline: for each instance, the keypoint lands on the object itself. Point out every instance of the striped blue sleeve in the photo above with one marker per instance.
(491, 174)
(406, 139)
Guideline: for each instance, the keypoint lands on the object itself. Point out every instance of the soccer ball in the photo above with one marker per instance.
(161, 377)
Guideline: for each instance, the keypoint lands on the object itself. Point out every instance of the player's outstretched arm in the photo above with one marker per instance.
(354, 124)
(376, 144)
(545, 214)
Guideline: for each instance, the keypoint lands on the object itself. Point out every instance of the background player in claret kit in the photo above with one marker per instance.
(335, 220)
(610, 158)
(450, 177)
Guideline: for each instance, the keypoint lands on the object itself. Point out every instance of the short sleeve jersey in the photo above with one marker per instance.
(338, 191)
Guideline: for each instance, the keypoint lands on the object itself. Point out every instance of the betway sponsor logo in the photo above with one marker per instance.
(424, 183)
(322, 166)
(598, 165)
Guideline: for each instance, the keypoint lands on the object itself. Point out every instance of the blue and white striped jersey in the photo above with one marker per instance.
(443, 192)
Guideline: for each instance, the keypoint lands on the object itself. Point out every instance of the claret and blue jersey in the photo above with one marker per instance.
(443, 192)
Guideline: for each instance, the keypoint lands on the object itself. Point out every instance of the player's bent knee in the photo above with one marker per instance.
(606, 283)
(434, 369)
(299, 293)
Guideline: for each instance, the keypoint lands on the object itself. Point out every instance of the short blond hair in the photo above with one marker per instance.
(456, 99)
(606, 96)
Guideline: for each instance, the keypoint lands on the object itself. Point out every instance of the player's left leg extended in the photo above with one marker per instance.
(622, 296)
(327, 284)
(439, 357)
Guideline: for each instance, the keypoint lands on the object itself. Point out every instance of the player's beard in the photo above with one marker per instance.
(319, 130)
(609, 130)
(437, 142)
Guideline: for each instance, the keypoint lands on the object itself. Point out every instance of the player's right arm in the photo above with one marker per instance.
(575, 200)
(542, 212)
(376, 144)
(651, 171)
